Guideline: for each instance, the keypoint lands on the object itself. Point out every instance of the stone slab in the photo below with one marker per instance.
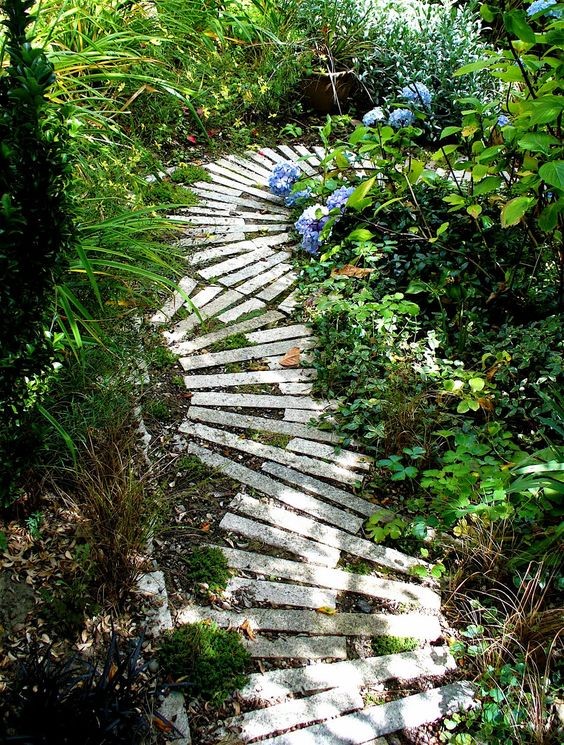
(260, 424)
(173, 708)
(258, 351)
(200, 300)
(253, 191)
(271, 536)
(278, 333)
(312, 159)
(238, 247)
(273, 155)
(233, 173)
(296, 389)
(239, 201)
(362, 727)
(351, 544)
(251, 270)
(281, 593)
(317, 708)
(220, 302)
(298, 647)
(289, 303)
(310, 622)
(335, 579)
(339, 496)
(267, 452)
(264, 277)
(297, 158)
(213, 189)
(251, 165)
(201, 342)
(208, 221)
(278, 684)
(153, 586)
(278, 287)
(199, 238)
(257, 401)
(229, 380)
(298, 415)
(240, 310)
(230, 265)
(345, 458)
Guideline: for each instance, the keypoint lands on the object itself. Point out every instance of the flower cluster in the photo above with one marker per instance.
(502, 120)
(310, 224)
(373, 116)
(283, 177)
(539, 5)
(295, 196)
(338, 199)
(417, 94)
(401, 118)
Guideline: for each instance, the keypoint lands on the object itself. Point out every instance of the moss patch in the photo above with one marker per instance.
(207, 566)
(382, 645)
(235, 341)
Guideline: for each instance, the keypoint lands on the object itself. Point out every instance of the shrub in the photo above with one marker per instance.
(208, 566)
(210, 658)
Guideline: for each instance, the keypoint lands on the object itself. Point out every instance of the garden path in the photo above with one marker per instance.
(308, 620)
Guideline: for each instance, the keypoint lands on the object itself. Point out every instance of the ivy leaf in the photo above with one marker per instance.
(514, 210)
(553, 173)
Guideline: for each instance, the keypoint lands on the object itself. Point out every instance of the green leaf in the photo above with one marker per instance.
(487, 185)
(356, 199)
(475, 66)
(553, 173)
(474, 210)
(487, 13)
(476, 384)
(448, 131)
(548, 218)
(516, 23)
(463, 407)
(360, 235)
(514, 210)
(537, 142)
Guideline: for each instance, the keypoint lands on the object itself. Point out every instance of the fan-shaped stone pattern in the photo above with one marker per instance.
(305, 514)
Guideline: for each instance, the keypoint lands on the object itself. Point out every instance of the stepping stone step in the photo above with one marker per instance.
(207, 340)
(267, 452)
(256, 401)
(230, 265)
(374, 721)
(275, 489)
(207, 189)
(289, 303)
(253, 271)
(251, 165)
(297, 158)
(351, 544)
(261, 279)
(317, 708)
(165, 314)
(298, 647)
(310, 158)
(298, 415)
(259, 351)
(230, 380)
(209, 222)
(275, 685)
(208, 239)
(312, 551)
(335, 579)
(345, 458)
(240, 310)
(219, 303)
(279, 333)
(233, 200)
(310, 622)
(281, 593)
(259, 423)
(220, 252)
(278, 287)
(232, 174)
(274, 156)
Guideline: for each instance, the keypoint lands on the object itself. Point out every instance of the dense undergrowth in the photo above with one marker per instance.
(436, 287)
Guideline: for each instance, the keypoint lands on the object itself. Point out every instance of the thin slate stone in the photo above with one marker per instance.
(312, 159)
(224, 267)
(367, 585)
(260, 280)
(280, 332)
(258, 351)
(171, 307)
(298, 415)
(298, 647)
(270, 536)
(207, 340)
(243, 202)
(232, 175)
(279, 257)
(281, 593)
(240, 310)
(251, 165)
(277, 287)
(208, 239)
(296, 157)
(257, 401)
(296, 388)
(345, 458)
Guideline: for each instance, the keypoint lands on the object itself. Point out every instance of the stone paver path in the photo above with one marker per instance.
(254, 420)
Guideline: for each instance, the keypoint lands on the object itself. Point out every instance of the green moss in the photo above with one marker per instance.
(160, 358)
(248, 316)
(165, 192)
(382, 645)
(270, 438)
(211, 659)
(192, 469)
(208, 566)
(187, 173)
(359, 567)
(178, 381)
(235, 341)
(157, 408)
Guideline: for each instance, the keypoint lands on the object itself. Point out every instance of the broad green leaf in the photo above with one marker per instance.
(455, 199)
(516, 23)
(553, 173)
(489, 184)
(538, 142)
(548, 218)
(479, 171)
(474, 210)
(514, 210)
(476, 384)
(360, 235)
(448, 131)
(487, 13)
(475, 66)
(356, 199)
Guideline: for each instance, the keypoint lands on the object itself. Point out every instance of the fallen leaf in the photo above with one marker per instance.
(351, 271)
(291, 358)
(326, 610)
(205, 527)
(248, 630)
(162, 725)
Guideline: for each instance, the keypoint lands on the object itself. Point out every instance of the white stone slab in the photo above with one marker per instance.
(210, 222)
(251, 165)
(267, 452)
(312, 159)
(340, 539)
(240, 310)
(270, 536)
(289, 303)
(299, 415)
(207, 340)
(345, 458)
(153, 586)
(232, 185)
(320, 624)
(298, 647)
(277, 258)
(296, 389)
(230, 249)
(229, 179)
(261, 158)
(260, 280)
(408, 593)
(239, 201)
(280, 332)
(200, 300)
(278, 287)
(212, 209)
(251, 217)
(256, 400)
(204, 188)
(260, 424)
(274, 685)
(258, 351)
(200, 238)
(281, 593)
(307, 483)
(273, 155)
(320, 152)
(165, 314)
(297, 158)
(264, 722)
(233, 172)
(362, 727)
(230, 265)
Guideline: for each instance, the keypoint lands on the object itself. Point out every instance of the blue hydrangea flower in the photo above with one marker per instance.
(417, 94)
(295, 196)
(502, 120)
(310, 224)
(283, 177)
(540, 5)
(373, 116)
(401, 118)
(338, 198)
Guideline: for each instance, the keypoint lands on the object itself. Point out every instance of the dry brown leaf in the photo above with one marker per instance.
(291, 358)
(351, 271)
(248, 630)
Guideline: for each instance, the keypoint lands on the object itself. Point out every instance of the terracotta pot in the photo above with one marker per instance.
(328, 91)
